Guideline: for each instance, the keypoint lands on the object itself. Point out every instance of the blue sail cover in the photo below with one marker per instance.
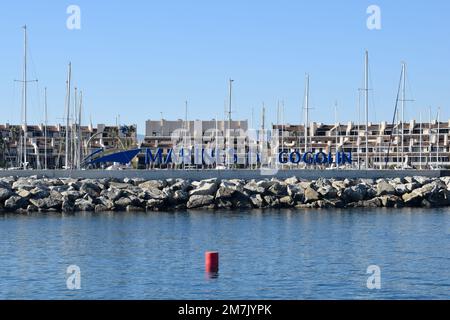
(122, 157)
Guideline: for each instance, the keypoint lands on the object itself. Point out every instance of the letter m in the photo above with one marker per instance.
(150, 158)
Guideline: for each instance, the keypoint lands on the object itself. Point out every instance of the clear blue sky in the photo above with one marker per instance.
(138, 58)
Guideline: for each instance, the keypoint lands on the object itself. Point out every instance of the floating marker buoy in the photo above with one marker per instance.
(211, 261)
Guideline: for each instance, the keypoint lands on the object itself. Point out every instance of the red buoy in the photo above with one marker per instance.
(212, 261)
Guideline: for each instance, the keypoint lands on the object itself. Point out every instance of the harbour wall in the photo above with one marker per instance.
(225, 174)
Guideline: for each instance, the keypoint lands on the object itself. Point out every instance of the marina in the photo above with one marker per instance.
(239, 155)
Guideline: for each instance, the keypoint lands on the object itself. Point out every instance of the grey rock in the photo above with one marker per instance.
(92, 189)
(391, 201)
(286, 201)
(278, 189)
(180, 196)
(84, 205)
(119, 185)
(155, 204)
(67, 206)
(204, 188)
(183, 185)
(311, 195)
(291, 181)
(14, 203)
(254, 188)
(47, 203)
(5, 193)
(257, 200)
(153, 184)
(385, 188)
(40, 192)
(71, 195)
(296, 193)
(354, 193)
(122, 202)
(199, 201)
(271, 201)
(225, 193)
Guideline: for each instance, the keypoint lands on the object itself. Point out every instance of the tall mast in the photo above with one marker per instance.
(306, 111)
(230, 87)
(366, 96)
(25, 125)
(263, 118)
(69, 75)
(403, 112)
(74, 129)
(438, 136)
(45, 128)
(80, 137)
(420, 139)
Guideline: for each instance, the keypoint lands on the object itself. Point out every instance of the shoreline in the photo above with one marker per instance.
(33, 194)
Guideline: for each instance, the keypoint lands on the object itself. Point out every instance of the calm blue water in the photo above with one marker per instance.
(263, 255)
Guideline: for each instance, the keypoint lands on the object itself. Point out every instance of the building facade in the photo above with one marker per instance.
(408, 145)
(46, 148)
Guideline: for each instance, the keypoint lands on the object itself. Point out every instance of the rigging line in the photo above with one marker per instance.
(393, 119)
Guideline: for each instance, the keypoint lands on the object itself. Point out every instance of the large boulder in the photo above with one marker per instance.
(15, 202)
(71, 195)
(5, 193)
(40, 192)
(84, 205)
(391, 201)
(296, 192)
(180, 184)
(278, 189)
(90, 188)
(385, 188)
(257, 200)
(253, 187)
(155, 205)
(414, 198)
(200, 201)
(271, 201)
(205, 188)
(123, 202)
(47, 203)
(225, 193)
(153, 184)
(355, 193)
(311, 195)
(113, 193)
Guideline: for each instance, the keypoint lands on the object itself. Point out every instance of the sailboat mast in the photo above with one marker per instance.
(74, 129)
(366, 96)
(69, 75)
(80, 137)
(403, 112)
(25, 125)
(45, 128)
(306, 111)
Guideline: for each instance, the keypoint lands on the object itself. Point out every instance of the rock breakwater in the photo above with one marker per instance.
(33, 194)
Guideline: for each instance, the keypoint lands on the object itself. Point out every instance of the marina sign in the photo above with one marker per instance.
(202, 156)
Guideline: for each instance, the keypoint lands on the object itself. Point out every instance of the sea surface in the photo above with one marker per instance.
(277, 254)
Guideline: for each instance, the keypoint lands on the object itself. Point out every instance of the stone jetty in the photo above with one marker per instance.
(33, 194)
